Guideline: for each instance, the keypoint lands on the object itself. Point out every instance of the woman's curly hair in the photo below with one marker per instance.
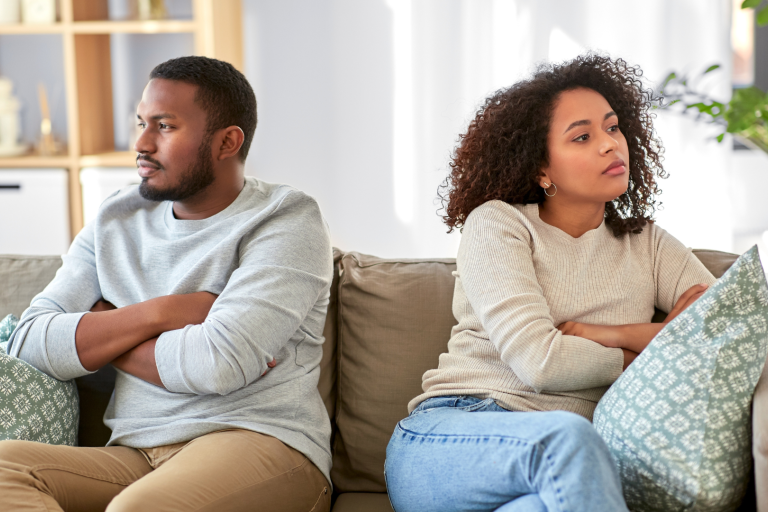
(505, 147)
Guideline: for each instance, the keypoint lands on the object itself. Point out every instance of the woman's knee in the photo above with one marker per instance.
(573, 431)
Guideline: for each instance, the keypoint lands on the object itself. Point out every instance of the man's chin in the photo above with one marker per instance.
(152, 193)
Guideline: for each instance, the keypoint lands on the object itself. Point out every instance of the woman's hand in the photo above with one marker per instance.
(606, 335)
(685, 300)
(632, 337)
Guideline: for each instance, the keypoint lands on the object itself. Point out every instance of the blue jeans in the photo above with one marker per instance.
(462, 453)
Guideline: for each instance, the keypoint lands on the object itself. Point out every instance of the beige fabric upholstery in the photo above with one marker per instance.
(328, 373)
(23, 277)
(716, 262)
(394, 321)
(363, 502)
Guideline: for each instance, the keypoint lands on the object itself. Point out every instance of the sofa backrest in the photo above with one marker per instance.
(394, 319)
(388, 322)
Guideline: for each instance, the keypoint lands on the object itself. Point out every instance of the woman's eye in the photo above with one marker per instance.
(581, 138)
(614, 128)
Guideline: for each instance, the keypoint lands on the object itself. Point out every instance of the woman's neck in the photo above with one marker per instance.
(572, 219)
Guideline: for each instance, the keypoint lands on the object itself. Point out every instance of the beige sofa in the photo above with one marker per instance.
(388, 322)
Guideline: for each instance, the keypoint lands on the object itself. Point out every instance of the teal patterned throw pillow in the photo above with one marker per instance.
(34, 406)
(678, 420)
(7, 325)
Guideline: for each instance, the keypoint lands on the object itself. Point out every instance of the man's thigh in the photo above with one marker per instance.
(230, 470)
(38, 476)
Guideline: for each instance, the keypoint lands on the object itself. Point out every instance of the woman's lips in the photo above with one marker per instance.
(616, 168)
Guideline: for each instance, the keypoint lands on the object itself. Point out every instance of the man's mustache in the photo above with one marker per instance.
(149, 159)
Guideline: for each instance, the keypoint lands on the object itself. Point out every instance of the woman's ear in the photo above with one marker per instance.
(544, 180)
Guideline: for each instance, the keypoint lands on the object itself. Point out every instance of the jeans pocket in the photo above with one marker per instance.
(479, 406)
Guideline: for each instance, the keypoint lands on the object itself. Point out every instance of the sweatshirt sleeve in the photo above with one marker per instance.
(285, 270)
(675, 269)
(45, 335)
(495, 264)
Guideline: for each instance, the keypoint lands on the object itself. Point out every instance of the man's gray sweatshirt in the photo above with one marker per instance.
(268, 258)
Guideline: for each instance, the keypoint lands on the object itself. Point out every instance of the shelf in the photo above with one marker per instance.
(37, 28)
(34, 161)
(114, 159)
(104, 27)
(134, 27)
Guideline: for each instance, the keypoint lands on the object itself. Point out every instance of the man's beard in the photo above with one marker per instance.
(196, 178)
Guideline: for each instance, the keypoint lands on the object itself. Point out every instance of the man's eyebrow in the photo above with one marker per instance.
(156, 117)
(587, 121)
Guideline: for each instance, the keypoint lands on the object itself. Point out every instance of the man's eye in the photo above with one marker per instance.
(163, 125)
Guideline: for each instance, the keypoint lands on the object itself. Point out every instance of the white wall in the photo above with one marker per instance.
(326, 71)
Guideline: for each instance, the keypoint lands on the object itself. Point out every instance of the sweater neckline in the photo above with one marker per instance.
(187, 226)
(532, 212)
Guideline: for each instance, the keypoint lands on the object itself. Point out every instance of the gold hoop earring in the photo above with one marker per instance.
(550, 195)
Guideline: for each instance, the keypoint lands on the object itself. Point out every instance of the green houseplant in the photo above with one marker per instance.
(745, 115)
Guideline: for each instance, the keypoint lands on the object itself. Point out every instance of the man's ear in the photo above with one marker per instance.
(230, 140)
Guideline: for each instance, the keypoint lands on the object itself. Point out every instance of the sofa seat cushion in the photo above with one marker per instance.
(363, 502)
(394, 321)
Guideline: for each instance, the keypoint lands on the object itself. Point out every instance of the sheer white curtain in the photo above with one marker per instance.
(362, 101)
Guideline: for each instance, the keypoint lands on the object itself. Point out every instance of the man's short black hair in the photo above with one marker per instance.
(223, 92)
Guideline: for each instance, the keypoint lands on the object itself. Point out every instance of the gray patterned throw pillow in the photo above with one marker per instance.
(678, 420)
(34, 406)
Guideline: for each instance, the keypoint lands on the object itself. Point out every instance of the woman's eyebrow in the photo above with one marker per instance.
(587, 121)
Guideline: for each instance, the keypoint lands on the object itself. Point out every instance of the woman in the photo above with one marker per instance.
(558, 272)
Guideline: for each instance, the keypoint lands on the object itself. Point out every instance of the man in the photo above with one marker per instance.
(198, 281)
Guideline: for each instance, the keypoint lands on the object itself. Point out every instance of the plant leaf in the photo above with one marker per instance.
(746, 4)
(712, 68)
(762, 17)
(720, 137)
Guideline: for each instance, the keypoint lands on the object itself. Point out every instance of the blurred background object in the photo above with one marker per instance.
(38, 11)
(9, 11)
(10, 124)
(361, 102)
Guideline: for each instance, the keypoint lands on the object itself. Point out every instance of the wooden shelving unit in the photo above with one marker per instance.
(85, 30)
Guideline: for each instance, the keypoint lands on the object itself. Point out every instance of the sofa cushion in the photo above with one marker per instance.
(677, 421)
(23, 277)
(394, 321)
(327, 384)
(363, 502)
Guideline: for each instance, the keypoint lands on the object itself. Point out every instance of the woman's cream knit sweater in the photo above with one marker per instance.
(518, 278)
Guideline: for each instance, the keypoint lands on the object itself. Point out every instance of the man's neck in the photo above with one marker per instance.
(214, 199)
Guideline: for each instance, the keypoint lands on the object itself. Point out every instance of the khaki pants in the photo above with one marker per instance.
(229, 470)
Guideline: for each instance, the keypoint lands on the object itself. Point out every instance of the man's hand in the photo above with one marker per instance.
(102, 305)
(107, 332)
(685, 300)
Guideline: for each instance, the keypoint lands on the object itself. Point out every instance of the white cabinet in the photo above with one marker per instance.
(34, 211)
(100, 182)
